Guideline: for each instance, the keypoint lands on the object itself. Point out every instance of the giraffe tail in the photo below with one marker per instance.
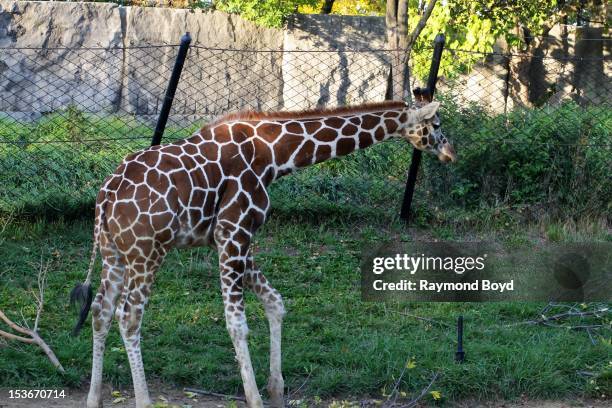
(82, 295)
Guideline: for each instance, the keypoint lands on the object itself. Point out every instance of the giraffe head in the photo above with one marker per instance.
(424, 132)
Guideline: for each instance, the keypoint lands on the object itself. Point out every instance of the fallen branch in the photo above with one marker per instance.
(578, 327)
(31, 336)
(395, 391)
(298, 388)
(214, 394)
(546, 320)
(571, 313)
(593, 342)
(424, 392)
(413, 402)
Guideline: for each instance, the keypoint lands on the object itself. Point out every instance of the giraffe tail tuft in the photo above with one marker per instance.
(81, 296)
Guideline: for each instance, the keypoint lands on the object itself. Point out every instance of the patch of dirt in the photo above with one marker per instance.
(166, 397)
(175, 398)
(578, 403)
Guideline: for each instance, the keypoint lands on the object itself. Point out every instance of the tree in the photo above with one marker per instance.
(476, 25)
(327, 7)
(398, 40)
(346, 7)
(520, 21)
(470, 25)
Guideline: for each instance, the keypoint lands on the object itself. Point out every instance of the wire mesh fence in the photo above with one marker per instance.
(529, 130)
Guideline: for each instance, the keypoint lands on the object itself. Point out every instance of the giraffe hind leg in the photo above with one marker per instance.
(275, 311)
(130, 311)
(103, 308)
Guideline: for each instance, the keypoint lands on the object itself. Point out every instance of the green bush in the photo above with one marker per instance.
(556, 158)
(57, 164)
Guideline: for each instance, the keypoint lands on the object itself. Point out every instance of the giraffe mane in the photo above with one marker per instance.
(251, 115)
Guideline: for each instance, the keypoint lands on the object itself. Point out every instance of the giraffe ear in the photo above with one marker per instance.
(428, 111)
(421, 95)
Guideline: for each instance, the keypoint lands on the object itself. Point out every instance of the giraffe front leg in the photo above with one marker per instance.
(275, 311)
(232, 269)
(238, 330)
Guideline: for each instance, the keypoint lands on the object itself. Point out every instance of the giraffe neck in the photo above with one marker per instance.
(305, 141)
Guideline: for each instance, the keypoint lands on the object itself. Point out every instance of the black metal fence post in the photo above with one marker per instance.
(171, 90)
(460, 354)
(416, 154)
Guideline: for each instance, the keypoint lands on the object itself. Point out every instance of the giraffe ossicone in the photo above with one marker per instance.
(211, 189)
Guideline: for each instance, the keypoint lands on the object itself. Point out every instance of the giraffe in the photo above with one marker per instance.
(211, 189)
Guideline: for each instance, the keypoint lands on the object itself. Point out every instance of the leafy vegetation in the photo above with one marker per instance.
(554, 158)
(57, 164)
(473, 26)
(269, 13)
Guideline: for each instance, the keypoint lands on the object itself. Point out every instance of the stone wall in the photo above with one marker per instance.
(336, 75)
(95, 56)
(40, 77)
(98, 57)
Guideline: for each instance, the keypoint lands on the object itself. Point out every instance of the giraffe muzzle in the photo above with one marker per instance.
(447, 154)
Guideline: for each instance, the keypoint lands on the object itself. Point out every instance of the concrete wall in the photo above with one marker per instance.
(53, 54)
(92, 69)
(337, 76)
(40, 78)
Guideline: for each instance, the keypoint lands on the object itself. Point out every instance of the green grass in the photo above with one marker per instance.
(532, 176)
(338, 344)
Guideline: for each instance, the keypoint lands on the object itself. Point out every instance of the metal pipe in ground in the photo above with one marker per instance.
(416, 154)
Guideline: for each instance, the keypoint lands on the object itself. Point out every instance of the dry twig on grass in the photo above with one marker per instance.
(569, 312)
(413, 402)
(572, 312)
(290, 393)
(215, 394)
(423, 319)
(32, 334)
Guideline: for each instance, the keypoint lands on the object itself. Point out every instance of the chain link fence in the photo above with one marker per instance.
(531, 132)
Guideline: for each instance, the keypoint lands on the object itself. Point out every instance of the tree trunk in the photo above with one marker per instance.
(393, 41)
(327, 7)
(403, 87)
(400, 43)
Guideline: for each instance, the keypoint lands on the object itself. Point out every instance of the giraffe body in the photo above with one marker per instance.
(211, 189)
